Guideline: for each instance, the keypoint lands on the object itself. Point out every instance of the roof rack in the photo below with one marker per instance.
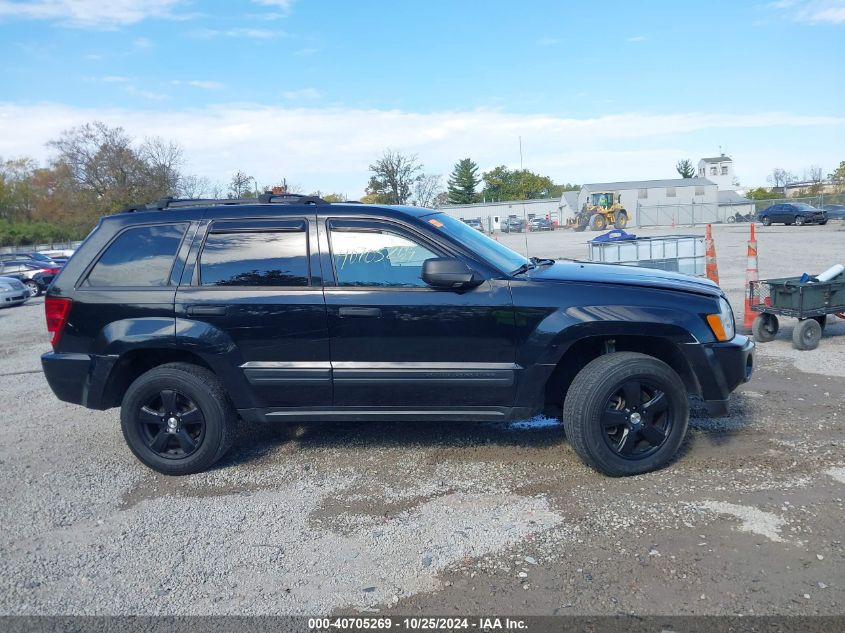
(265, 198)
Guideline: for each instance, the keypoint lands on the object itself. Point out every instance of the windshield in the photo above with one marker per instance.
(490, 250)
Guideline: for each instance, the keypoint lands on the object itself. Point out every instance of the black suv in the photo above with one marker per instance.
(192, 315)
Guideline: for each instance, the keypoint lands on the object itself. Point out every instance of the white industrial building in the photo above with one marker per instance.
(491, 214)
(656, 202)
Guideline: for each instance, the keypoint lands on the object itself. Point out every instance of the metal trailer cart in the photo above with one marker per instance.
(809, 302)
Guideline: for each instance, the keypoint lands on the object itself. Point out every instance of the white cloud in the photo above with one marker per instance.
(256, 34)
(88, 13)
(307, 51)
(205, 84)
(303, 93)
(331, 148)
(547, 41)
(142, 42)
(813, 11)
(281, 5)
(637, 38)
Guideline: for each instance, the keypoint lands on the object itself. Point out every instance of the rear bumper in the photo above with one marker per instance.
(721, 368)
(78, 378)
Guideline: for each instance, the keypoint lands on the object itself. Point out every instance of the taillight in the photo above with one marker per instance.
(52, 271)
(56, 310)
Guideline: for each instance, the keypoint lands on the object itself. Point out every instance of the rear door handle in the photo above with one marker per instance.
(206, 310)
(359, 311)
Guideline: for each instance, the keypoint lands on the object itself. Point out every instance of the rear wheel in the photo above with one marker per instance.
(806, 334)
(765, 327)
(799, 220)
(621, 220)
(597, 222)
(767, 221)
(177, 419)
(626, 413)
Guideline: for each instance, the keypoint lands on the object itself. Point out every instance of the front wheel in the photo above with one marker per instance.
(626, 413)
(767, 221)
(806, 334)
(621, 220)
(597, 222)
(32, 288)
(177, 419)
(765, 327)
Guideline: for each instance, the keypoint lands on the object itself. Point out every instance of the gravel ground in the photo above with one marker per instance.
(440, 518)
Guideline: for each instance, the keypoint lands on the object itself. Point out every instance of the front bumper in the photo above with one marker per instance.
(78, 378)
(13, 297)
(720, 368)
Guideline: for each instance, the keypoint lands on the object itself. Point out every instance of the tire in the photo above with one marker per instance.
(731, 219)
(595, 398)
(32, 287)
(597, 222)
(806, 334)
(765, 327)
(823, 222)
(621, 220)
(767, 221)
(799, 220)
(199, 397)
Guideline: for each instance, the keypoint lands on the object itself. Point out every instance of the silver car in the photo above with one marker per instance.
(12, 292)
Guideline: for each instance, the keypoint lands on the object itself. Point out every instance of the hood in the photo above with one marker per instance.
(625, 275)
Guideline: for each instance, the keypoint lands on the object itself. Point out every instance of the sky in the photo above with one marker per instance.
(313, 91)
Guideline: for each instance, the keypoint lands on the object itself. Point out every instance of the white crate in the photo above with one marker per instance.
(681, 253)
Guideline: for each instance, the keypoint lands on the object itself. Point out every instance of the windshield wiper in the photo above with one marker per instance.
(524, 268)
(542, 261)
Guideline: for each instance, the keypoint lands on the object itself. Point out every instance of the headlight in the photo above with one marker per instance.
(722, 323)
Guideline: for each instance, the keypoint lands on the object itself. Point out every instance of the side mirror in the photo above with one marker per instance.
(448, 273)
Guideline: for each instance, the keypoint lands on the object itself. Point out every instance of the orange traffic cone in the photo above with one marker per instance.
(751, 274)
(710, 256)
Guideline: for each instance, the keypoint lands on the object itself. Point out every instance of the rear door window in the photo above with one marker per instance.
(139, 257)
(265, 258)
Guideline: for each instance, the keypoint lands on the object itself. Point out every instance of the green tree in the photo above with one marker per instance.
(394, 175)
(502, 184)
(462, 182)
(685, 168)
(761, 193)
(837, 176)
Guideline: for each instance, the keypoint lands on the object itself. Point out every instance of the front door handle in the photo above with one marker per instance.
(206, 310)
(359, 311)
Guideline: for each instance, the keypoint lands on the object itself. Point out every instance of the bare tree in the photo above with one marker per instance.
(193, 186)
(394, 175)
(162, 161)
(779, 178)
(815, 175)
(241, 185)
(426, 188)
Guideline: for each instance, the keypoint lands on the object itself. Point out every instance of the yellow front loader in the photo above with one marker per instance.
(602, 209)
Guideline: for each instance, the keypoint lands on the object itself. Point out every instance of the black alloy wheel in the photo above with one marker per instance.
(636, 420)
(171, 424)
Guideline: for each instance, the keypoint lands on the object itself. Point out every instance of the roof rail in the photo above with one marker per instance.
(264, 198)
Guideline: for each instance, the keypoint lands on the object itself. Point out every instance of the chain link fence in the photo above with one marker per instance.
(681, 214)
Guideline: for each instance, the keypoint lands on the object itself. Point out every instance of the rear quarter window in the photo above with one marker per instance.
(139, 257)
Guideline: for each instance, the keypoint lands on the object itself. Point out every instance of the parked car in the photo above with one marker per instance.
(476, 224)
(540, 224)
(12, 292)
(26, 270)
(62, 253)
(39, 257)
(191, 315)
(788, 213)
(834, 211)
(511, 225)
